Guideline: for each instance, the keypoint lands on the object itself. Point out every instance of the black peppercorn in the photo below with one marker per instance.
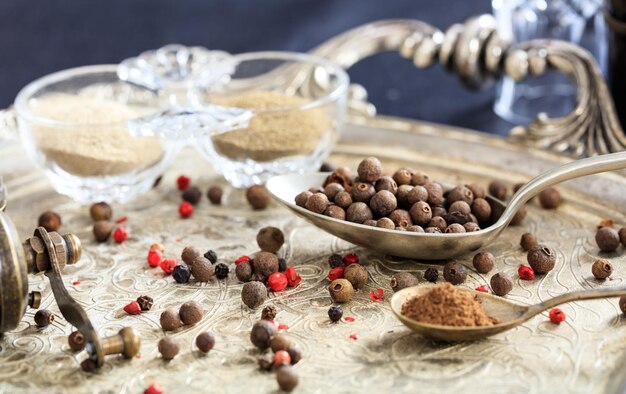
(269, 312)
(76, 341)
(483, 262)
(385, 223)
(43, 318)
(460, 193)
(317, 203)
(261, 333)
(357, 275)
(335, 313)
(383, 203)
(221, 271)
(181, 273)
(501, 284)
(50, 220)
(541, 259)
(102, 230)
(282, 265)
(215, 194)
(431, 274)
(192, 195)
(528, 241)
(362, 192)
(332, 189)
(211, 256)
(145, 302)
(254, 294)
(454, 272)
(498, 189)
(335, 260)
(258, 197)
(370, 169)
(270, 239)
(287, 378)
(386, 183)
(101, 211)
(602, 269)
(420, 213)
(607, 239)
(205, 341)
(343, 200)
(358, 212)
(402, 280)
(302, 198)
(403, 176)
(550, 198)
(481, 209)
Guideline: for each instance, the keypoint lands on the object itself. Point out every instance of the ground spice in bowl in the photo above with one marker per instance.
(272, 133)
(447, 306)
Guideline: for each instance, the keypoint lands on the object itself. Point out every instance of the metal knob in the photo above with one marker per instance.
(126, 343)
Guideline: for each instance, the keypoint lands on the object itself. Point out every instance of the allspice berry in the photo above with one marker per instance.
(302, 198)
(215, 194)
(189, 254)
(192, 195)
(287, 378)
(362, 192)
(102, 230)
(270, 239)
(357, 275)
(622, 235)
(454, 272)
(622, 304)
(43, 318)
(170, 320)
(76, 341)
(541, 259)
(498, 189)
(341, 290)
(294, 352)
(501, 284)
(403, 176)
(265, 263)
(253, 294)
(258, 197)
(386, 183)
(190, 313)
(261, 333)
(420, 213)
(101, 211)
(202, 269)
(483, 262)
(383, 203)
(243, 271)
(550, 198)
(279, 342)
(205, 341)
(343, 200)
(169, 348)
(402, 280)
(50, 220)
(481, 209)
(317, 203)
(332, 189)
(461, 193)
(602, 269)
(370, 169)
(607, 239)
(359, 212)
(528, 241)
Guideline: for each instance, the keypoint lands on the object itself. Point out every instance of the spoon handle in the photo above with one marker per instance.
(575, 296)
(574, 169)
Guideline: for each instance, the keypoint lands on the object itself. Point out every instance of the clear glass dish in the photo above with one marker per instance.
(74, 125)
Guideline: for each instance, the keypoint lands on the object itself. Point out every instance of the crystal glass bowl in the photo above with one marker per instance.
(74, 125)
(298, 106)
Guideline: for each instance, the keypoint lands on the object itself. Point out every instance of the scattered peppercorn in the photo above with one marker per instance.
(431, 274)
(102, 230)
(277, 281)
(341, 290)
(622, 304)
(76, 341)
(266, 362)
(120, 235)
(215, 194)
(370, 169)
(170, 319)
(261, 333)
(357, 275)
(221, 271)
(550, 198)
(607, 239)
(525, 272)
(253, 294)
(454, 272)
(145, 302)
(402, 280)
(501, 284)
(557, 316)
(258, 197)
(185, 210)
(270, 239)
(483, 262)
(192, 195)
(243, 271)
(265, 263)
(43, 318)
(183, 182)
(602, 269)
(211, 256)
(281, 357)
(101, 211)
(622, 235)
(202, 269)
(50, 220)
(154, 388)
(282, 265)
(181, 273)
(169, 348)
(205, 341)
(528, 241)
(133, 308)
(335, 313)
(498, 189)
(287, 378)
(190, 313)
(279, 342)
(294, 352)
(189, 254)
(541, 258)
(269, 312)
(168, 266)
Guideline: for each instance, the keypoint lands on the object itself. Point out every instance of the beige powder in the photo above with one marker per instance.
(92, 148)
(275, 134)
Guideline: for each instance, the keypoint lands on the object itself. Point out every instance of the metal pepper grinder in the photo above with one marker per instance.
(49, 252)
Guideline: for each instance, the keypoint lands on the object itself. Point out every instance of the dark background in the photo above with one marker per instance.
(38, 37)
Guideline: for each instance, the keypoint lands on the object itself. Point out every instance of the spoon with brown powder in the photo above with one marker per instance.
(507, 314)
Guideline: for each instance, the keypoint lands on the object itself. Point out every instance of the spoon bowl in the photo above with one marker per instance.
(429, 246)
(508, 313)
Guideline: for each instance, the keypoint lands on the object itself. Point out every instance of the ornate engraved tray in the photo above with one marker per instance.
(584, 354)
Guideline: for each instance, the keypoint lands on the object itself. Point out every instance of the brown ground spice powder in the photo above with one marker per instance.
(445, 305)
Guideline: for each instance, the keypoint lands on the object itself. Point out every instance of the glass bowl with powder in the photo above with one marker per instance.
(74, 124)
(298, 106)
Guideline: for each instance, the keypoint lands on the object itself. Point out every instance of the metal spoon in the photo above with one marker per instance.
(427, 246)
(508, 313)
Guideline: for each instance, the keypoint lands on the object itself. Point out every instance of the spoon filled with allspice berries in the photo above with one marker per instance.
(426, 220)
